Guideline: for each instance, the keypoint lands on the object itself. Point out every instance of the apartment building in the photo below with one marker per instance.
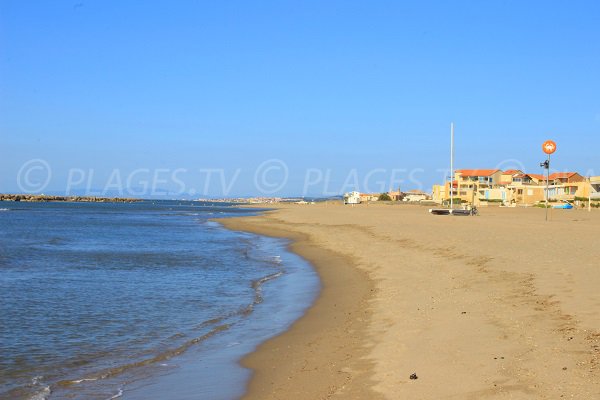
(479, 186)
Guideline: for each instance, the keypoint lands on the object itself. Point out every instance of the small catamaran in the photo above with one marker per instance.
(451, 210)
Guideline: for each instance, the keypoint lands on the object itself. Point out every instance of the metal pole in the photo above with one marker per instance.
(589, 194)
(452, 165)
(547, 185)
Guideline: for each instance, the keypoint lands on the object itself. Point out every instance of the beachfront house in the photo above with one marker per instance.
(415, 196)
(366, 197)
(537, 179)
(395, 195)
(514, 187)
(480, 177)
(352, 198)
(507, 177)
(525, 194)
(525, 189)
(560, 178)
(470, 184)
(562, 186)
(567, 186)
(594, 187)
(522, 179)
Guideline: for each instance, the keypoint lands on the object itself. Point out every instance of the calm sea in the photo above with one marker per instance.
(141, 300)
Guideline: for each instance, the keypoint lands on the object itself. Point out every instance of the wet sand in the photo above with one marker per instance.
(504, 305)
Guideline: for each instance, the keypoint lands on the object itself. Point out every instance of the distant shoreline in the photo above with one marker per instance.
(40, 198)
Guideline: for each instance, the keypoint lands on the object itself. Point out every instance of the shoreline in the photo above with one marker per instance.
(200, 359)
(489, 307)
(325, 350)
(211, 368)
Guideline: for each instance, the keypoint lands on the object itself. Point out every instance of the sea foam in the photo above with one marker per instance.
(116, 396)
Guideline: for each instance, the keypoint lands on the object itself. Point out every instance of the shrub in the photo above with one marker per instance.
(384, 197)
(456, 200)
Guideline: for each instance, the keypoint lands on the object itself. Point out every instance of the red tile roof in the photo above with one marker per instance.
(556, 175)
(512, 172)
(477, 172)
(539, 177)
(562, 175)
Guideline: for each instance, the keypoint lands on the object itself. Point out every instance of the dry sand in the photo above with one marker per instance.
(499, 306)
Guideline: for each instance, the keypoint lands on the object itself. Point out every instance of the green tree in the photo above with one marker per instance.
(384, 197)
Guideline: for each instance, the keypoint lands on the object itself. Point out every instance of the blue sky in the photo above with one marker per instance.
(342, 87)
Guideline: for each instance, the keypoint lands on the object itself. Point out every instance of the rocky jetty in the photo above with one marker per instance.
(82, 199)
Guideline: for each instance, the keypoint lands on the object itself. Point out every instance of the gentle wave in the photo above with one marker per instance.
(84, 380)
(257, 286)
(109, 373)
(213, 321)
(43, 393)
(4, 209)
(37, 389)
(116, 396)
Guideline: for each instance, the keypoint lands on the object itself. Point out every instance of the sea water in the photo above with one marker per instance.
(138, 300)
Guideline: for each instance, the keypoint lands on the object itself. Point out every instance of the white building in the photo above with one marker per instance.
(352, 198)
(415, 196)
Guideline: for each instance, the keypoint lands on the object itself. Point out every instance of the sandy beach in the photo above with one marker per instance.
(499, 306)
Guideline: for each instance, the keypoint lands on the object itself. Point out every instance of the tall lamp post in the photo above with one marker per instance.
(452, 166)
(549, 147)
(589, 194)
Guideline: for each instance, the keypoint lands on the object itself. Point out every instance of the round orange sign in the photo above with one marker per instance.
(549, 147)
